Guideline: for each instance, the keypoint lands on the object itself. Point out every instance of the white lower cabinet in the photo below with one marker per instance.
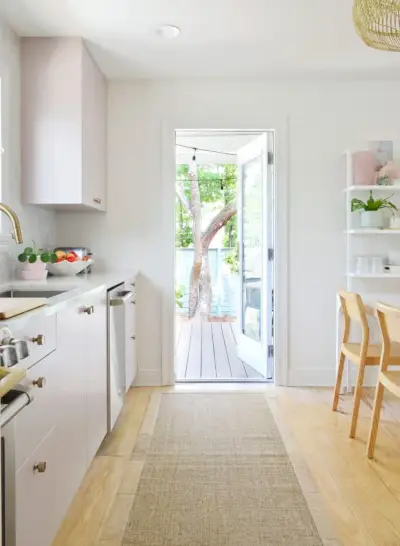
(39, 497)
(60, 433)
(95, 365)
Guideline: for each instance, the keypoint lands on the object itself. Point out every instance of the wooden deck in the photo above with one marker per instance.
(207, 350)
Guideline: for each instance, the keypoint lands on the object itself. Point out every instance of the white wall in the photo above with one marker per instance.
(37, 224)
(324, 119)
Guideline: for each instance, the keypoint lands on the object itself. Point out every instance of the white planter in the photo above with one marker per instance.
(372, 219)
(34, 272)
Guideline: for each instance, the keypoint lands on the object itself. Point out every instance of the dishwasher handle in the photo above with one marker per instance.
(122, 298)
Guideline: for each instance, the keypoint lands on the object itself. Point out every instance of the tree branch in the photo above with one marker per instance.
(217, 223)
(184, 200)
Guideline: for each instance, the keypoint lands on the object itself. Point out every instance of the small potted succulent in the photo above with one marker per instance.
(372, 211)
(34, 262)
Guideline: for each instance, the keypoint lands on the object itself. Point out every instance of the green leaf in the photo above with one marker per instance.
(28, 251)
(32, 258)
(22, 258)
(45, 257)
(357, 204)
(53, 258)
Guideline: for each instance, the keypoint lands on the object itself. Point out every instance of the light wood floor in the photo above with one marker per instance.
(207, 350)
(361, 496)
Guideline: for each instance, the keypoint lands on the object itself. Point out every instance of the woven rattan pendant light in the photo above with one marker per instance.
(377, 22)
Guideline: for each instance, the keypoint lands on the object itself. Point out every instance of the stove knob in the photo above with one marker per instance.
(40, 382)
(40, 467)
(9, 355)
(39, 339)
(21, 346)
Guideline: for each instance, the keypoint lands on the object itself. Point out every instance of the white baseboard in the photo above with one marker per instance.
(148, 378)
(311, 378)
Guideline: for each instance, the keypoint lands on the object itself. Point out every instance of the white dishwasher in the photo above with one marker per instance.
(117, 299)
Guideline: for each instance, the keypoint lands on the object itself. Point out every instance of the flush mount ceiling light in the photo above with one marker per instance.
(168, 31)
(377, 22)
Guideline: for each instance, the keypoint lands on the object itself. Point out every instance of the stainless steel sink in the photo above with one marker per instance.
(31, 293)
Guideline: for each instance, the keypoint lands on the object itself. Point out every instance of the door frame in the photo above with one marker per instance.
(280, 127)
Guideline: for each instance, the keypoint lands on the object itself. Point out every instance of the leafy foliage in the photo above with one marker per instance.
(372, 204)
(217, 184)
(232, 259)
(179, 293)
(32, 254)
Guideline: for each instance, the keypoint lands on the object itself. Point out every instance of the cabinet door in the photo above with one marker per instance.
(51, 103)
(130, 336)
(95, 334)
(72, 398)
(39, 492)
(94, 112)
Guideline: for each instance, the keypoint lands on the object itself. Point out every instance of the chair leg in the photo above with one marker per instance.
(338, 384)
(357, 399)
(375, 420)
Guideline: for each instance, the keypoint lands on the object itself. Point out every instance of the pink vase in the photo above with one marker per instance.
(34, 272)
(364, 168)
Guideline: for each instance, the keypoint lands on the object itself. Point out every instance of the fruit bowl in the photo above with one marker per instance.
(68, 269)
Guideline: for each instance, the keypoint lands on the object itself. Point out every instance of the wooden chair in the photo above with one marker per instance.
(389, 322)
(362, 354)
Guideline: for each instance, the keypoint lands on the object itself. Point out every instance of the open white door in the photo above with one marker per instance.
(255, 235)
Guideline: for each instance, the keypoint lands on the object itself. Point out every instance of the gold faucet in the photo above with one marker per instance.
(17, 233)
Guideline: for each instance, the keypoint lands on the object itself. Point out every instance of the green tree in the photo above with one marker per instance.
(215, 184)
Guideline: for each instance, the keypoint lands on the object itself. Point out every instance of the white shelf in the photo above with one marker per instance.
(368, 231)
(374, 187)
(374, 275)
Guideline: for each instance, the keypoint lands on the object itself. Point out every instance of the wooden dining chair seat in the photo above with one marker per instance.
(373, 356)
(391, 381)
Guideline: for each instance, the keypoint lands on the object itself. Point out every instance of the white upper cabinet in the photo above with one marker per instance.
(64, 109)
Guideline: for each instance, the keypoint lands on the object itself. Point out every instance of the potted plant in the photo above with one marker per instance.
(34, 262)
(372, 210)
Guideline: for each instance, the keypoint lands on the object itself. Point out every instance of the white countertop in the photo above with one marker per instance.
(75, 288)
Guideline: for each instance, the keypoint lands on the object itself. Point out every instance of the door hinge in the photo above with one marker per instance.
(270, 351)
(271, 254)
(270, 158)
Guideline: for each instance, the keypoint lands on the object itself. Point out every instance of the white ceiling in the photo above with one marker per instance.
(220, 38)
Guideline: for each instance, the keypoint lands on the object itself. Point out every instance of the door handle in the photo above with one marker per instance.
(121, 299)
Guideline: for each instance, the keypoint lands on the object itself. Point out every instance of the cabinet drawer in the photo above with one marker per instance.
(37, 419)
(41, 335)
(39, 508)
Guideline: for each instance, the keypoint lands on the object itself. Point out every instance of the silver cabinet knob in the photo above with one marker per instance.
(40, 382)
(97, 200)
(39, 339)
(133, 284)
(133, 337)
(40, 467)
(133, 302)
(89, 310)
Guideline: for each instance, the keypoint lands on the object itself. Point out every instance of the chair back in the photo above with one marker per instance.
(353, 308)
(389, 322)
